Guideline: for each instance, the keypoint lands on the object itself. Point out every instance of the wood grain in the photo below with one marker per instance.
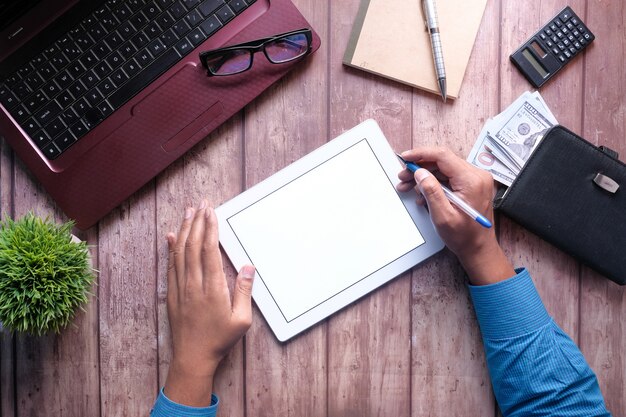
(369, 341)
(603, 303)
(127, 319)
(449, 374)
(412, 347)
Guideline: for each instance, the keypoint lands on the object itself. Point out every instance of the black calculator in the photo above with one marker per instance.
(552, 47)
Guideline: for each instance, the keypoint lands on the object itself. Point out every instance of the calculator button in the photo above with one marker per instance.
(587, 37)
(555, 50)
(570, 26)
(553, 27)
(578, 46)
(565, 16)
(567, 54)
(543, 36)
(561, 46)
(549, 32)
(576, 33)
(565, 31)
(566, 42)
(581, 29)
(560, 34)
(558, 23)
(562, 58)
(575, 21)
(549, 44)
(555, 39)
(572, 50)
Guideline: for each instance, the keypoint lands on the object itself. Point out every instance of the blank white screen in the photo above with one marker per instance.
(326, 230)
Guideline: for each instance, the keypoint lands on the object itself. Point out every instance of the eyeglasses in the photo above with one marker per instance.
(278, 49)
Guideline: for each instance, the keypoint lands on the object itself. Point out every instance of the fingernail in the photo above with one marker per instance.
(421, 174)
(203, 205)
(188, 213)
(247, 272)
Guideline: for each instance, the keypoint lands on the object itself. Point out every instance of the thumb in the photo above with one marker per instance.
(242, 297)
(430, 188)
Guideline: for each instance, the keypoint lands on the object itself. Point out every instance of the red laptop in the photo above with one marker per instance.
(98, 97)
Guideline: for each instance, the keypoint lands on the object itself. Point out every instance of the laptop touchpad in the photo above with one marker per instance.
(174, 105)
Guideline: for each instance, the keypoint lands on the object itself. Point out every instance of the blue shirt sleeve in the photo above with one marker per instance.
(164, 407)
(535, 368)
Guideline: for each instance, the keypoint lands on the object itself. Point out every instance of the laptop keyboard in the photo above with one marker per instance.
(85, 75)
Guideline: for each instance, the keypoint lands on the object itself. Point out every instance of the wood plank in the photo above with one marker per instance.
(56, 373)
(603, 303)
(7, 352)
(555, 274)
(368, 342)
(283, 124)
(211, 170)
(128, 334)
(448, 363)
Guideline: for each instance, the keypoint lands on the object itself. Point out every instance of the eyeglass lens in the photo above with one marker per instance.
(277, 51)
(287, 48)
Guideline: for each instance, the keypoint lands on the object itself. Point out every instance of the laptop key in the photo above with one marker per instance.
(40, 138)
(156, 47)
(30, 126)
(183, 47)
(65, 139)
(48, 112)
(225, 14)
(196, 36)
(194, 18)
(35, 101)
(51, 151)
(169, 38)
(208, 7)
(237, 5)
(7, 98)
(178, 10)
(131, 68)
(135, 85)
(210, 25)
(181, 28)
(55, 127)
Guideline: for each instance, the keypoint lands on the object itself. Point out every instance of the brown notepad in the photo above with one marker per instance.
(389, 38)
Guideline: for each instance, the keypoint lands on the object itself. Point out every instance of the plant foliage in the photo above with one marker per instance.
(44, 276)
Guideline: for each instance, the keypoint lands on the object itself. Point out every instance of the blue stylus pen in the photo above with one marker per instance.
(454, 199)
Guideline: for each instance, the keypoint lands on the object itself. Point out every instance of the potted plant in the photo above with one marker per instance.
(45, 275)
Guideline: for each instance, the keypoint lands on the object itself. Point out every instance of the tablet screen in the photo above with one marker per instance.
(326, 230)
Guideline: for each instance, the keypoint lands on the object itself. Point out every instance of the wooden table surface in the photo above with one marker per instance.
(412, 347)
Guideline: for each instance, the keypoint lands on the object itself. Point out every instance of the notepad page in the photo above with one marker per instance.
(326, 230)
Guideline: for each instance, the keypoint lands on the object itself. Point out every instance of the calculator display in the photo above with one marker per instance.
(554, 45)
(536, 65)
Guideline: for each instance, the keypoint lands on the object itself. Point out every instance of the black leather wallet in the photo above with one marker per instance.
(573, 194)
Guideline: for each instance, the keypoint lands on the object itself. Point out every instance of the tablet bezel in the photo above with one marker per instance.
(371, 132)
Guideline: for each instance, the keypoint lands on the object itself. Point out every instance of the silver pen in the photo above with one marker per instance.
(435, 42)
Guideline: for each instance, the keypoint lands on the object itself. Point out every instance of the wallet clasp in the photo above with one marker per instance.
(606, 183)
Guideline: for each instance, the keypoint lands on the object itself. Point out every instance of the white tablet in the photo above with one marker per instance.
(326, 230)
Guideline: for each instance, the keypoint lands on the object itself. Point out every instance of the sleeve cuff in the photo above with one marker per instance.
(509, 308)
(164, 407)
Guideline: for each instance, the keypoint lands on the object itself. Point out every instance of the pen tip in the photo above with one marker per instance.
(442, 88)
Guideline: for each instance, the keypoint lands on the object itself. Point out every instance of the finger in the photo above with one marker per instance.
(446, 161)
(179, 251)
(193, 247)
(172, 285)
(440, 208)
(404, 187)
(405, 175)
(211, 256)
(242, 297)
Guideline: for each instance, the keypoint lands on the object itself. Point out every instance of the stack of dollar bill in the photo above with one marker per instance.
(507, 141)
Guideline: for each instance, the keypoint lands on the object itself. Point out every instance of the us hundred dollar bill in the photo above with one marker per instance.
(507, 140)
